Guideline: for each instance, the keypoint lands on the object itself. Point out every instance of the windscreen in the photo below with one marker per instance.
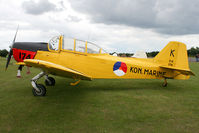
(54, 43)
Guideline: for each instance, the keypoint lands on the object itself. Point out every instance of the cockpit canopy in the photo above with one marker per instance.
(54, 43)
(74, 45)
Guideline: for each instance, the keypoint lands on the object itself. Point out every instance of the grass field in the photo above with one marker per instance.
(100, 106)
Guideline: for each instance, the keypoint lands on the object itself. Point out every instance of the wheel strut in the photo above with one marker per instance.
(165, 83)
(49, 81)
(34, 80)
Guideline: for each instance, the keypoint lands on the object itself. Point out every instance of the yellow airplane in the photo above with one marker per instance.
(82, 60)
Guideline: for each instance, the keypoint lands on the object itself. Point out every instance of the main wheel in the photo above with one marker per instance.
(41, 92)
(50, 81)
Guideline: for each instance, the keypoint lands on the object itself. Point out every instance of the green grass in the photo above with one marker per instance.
(100, 106)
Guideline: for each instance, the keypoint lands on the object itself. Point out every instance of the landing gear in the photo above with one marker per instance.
(41, 92)
(38, 89)
(165, 83)
(49, 81)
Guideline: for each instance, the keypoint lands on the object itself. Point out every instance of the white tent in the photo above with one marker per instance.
(140, 54)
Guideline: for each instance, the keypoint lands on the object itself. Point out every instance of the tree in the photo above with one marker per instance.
(152, 54)
(3, 53)
(193, 51)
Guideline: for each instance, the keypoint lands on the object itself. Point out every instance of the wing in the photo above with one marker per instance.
(56, 69)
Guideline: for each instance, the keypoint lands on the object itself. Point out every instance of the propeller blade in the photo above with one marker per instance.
(11, 52)
(8, 59)
(15, 36)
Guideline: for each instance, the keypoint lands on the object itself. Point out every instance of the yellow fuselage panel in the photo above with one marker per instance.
(101, 66)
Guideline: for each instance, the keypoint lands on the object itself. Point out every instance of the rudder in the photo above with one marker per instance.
(174, 56)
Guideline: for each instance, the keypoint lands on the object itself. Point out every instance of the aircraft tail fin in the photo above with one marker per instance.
(174, 56)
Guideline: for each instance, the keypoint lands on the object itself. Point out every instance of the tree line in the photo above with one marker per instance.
(191, 52)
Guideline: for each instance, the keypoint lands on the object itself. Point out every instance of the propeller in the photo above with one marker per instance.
(11, 52)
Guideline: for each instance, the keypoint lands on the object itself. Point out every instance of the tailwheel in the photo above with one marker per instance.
(165, 83)
(50, 81)
(40, 91)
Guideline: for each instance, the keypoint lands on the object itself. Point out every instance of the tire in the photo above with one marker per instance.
(42, 91)
(51, 83)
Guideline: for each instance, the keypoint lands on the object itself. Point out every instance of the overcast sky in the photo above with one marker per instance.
(115, 25)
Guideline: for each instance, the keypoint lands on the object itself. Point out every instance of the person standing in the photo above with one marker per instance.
(197, 57)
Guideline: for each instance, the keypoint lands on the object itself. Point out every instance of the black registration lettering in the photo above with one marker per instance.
(24, 56)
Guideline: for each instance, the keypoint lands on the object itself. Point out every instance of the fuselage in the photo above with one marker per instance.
(104, 66)
(89, 59)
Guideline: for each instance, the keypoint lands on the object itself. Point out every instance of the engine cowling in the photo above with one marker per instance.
(27, 50)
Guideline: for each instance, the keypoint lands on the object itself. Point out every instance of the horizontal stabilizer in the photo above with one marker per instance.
(182, 71)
